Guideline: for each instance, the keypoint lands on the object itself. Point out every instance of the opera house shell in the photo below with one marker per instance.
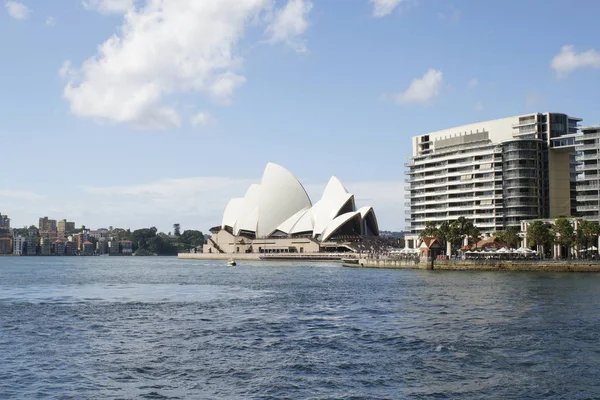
(279, 208)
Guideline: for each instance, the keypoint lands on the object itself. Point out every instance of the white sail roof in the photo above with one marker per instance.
(281, 196)
(232, 212)
(248, 218)
(335, 196)
(280, 204)
(339, 222)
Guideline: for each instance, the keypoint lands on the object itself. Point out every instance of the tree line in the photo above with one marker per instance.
(540, 234)
(148, 241)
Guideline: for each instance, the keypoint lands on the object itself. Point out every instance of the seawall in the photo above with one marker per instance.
(473, 265)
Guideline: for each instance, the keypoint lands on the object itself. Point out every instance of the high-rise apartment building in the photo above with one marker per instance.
(4, 221)
(64, 227)
(46, 224)
(494, 173)
(588, 173)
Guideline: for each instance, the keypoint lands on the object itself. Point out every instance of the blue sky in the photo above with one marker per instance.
(149, 112)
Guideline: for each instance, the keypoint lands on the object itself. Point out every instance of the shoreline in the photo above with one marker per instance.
(501, 265)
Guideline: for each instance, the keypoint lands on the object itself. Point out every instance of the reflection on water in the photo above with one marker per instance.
(132, 292)
(105, 328)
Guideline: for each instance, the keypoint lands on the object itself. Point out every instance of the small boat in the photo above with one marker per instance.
(231, 262)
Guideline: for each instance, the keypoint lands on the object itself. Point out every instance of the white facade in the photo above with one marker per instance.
(18, 242)
(280, 207)
(494, 173)
(588, 173)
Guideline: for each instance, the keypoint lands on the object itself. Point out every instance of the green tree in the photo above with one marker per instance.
(120, 234)
(455, 235)
(539, 234)
(430, 230)
(442, 233)
(563, 232)
(474, 234)
(190, 239)
(176, 229)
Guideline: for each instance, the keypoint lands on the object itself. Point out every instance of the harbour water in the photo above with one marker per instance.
(162, 328)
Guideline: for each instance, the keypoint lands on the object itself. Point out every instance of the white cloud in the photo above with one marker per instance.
(473, 83)
(165, 48)
(479, 106)
(202, 119)
(381, 8)
(567, 60)
(109, 6)
(20, 194)
(65, 70)
(453, 15)
(17, 10)
(50, 21)
(421, 90)
(289, 23)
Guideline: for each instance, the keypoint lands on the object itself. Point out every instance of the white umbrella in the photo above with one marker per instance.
(593, 248)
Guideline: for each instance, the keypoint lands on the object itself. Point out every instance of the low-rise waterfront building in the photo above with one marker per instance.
(126, 247)
(113, 247)
(59, 248)
(46, 246)
(18, 244)
(87, 249)
(5, 245)
(31, 245)
(70, 248)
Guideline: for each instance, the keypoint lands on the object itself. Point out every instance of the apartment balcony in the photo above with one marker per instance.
(588, 208)
(588, 177)
(587, 136)
(525, 122)
(588, 167)
(583, 147)
(589, 186)
(589, 156)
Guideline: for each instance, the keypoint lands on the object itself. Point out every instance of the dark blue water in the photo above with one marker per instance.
(161, 328)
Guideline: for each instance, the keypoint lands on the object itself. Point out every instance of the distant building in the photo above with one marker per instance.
(59, 248)
(64, 227)
(5, 245)
(4, 221)
(101, 247)
(126, 247)
(70, 248)
(45, 246)
(18, 244)
(99, 234)
(87, 249)
(113, 247)
(46, 224)
(31, 246)
(47, 234)
(81, 238)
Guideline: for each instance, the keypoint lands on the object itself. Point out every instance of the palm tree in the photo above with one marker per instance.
(539, 234)
(429, 231)
(564, 235)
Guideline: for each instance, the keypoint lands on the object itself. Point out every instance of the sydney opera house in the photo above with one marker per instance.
(277, 216)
